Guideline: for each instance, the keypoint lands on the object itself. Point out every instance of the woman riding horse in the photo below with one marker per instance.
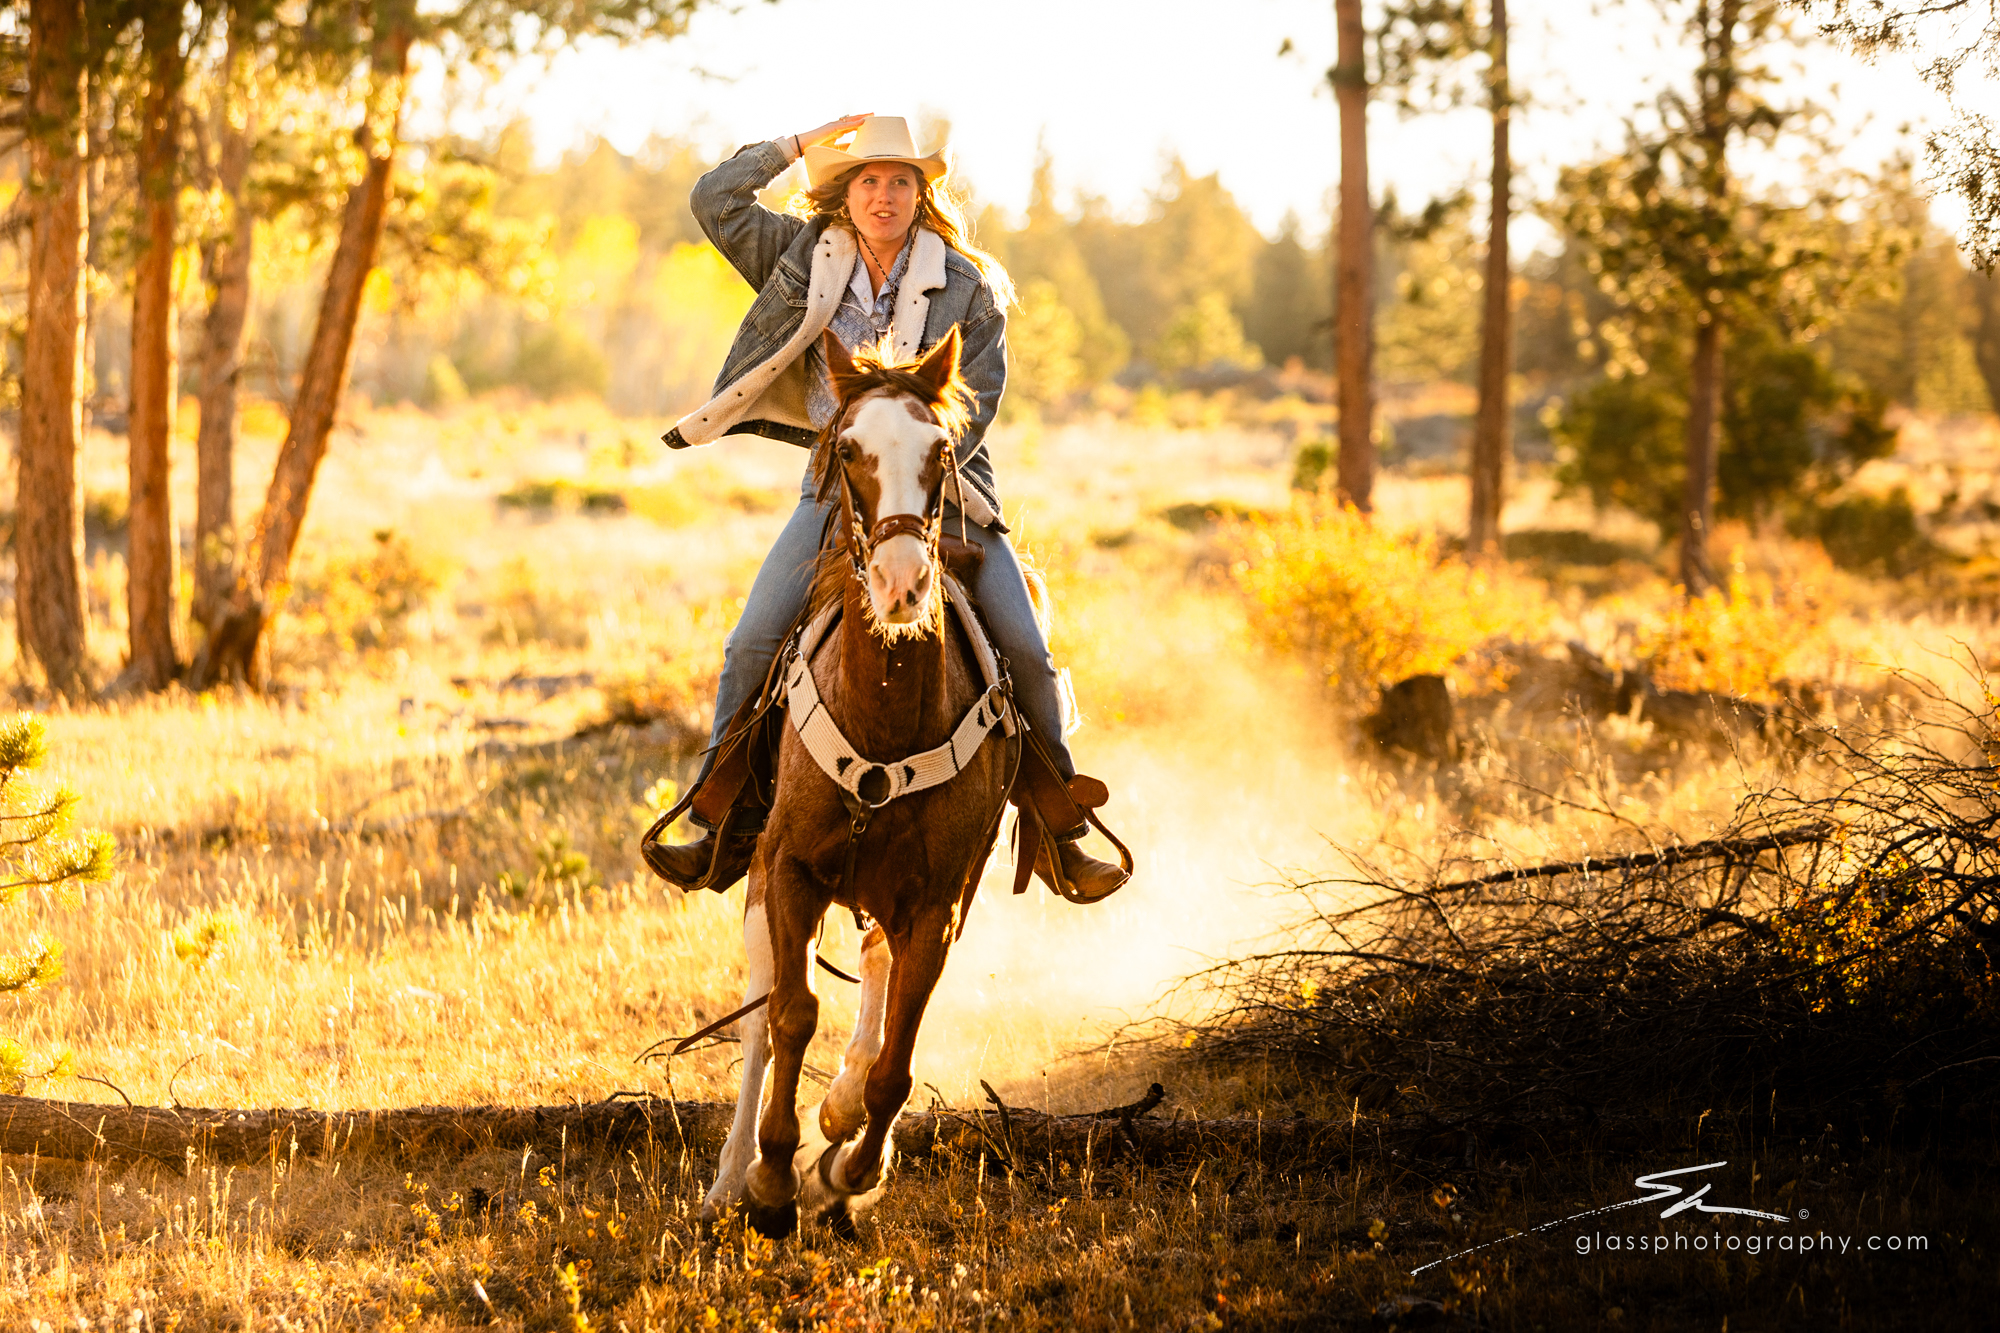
(881, 255)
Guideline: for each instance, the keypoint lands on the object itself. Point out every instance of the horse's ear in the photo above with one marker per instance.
(839, 365)
(938, 368)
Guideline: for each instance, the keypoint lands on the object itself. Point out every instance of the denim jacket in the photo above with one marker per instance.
(794, 264)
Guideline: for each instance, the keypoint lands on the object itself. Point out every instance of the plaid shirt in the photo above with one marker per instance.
(861, 321)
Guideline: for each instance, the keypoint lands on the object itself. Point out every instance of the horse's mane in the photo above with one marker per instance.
(950, 402)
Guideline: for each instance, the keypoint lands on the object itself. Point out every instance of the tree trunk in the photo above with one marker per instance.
(231, 650)
(226, 266)
(1496, 333)
(1704, 409)
(83, 1130)
(48, 531)
(151, 547)
(1986, 334)
(1717, 80)
(99, 135)
(1354, 296)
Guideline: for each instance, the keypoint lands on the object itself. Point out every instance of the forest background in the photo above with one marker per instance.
(397, 867)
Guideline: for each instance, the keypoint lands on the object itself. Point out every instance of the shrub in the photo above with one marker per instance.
(40, 850)
(443, 386)
(525, 611)
(565, 496)
(363, 601)
(1871, 534)
(1791, 428)
(1361, 605)
(556, 361)
(1737, 640)
(1313, 464)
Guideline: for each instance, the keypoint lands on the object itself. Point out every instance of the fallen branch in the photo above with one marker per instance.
(86, 1130)
(1714, 849)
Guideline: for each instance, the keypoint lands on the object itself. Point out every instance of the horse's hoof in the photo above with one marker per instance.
(771, 1223)
(825, 1169)
(839, 1222)
(830, 1127)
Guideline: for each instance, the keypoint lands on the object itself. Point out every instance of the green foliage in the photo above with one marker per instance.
(1792, 428)
(1046, 250)
(1430, 331)
(557, 864)
(1195, 242)
(1918, 338)
(356, 602)
(1290, 311)
(443, 385)
(40, 966)
(1204, 335)
(1044, 346)
(16, 1071)
(39, 849)
(1313, 464)
(1871, 534)
(562, 494)
(1622, 444)
(199, 941)
(557, 360)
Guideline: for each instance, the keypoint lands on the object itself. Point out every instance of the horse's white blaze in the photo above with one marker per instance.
(899, 574)
(755, 1032)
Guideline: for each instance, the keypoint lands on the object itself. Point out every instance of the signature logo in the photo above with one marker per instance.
(1658, 1191)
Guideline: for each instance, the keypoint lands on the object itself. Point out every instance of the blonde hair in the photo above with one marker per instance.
(939, 208)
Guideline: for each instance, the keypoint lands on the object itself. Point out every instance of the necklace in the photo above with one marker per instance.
(879, 265)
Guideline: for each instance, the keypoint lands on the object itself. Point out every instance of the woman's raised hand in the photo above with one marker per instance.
(833, 129)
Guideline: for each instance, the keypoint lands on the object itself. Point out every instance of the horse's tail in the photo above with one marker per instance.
(1038, 596)
(1044, 606)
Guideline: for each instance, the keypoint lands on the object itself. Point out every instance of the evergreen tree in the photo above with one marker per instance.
(1290, 311)
(39, 849)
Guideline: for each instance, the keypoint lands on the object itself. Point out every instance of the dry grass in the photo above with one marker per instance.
(402, 878)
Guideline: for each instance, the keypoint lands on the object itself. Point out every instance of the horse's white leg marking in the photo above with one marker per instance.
(755, 1032)
(842, 1114)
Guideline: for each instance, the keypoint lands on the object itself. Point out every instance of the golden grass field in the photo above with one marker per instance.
(401, 877)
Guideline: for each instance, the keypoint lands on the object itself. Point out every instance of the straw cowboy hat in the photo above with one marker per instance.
(879, 139)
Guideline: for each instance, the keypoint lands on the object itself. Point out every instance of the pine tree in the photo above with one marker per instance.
(39, 849)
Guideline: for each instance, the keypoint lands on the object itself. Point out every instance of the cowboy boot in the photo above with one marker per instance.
(1054, 816)
(1088, 879)
(712, 861)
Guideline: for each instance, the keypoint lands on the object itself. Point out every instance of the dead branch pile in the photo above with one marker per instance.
(1829, 957)
(1013, 1138)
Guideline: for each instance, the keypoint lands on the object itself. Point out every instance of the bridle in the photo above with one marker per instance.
(862, 542)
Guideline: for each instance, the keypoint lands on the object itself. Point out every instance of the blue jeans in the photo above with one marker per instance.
(784, 585)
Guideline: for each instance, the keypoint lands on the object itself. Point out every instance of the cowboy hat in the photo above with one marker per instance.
(879, 139)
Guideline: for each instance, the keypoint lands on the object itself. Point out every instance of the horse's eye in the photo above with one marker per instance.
(844, 451)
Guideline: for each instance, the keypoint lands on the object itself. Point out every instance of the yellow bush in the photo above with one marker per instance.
(1362, 606)
(1737, 640)
(364, 600)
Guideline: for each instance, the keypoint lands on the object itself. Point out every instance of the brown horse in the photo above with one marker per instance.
(894, 677)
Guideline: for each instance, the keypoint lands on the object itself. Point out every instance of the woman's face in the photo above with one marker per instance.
(883, 202)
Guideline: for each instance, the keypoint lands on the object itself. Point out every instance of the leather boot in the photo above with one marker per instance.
(1089, 879)
(686, 865)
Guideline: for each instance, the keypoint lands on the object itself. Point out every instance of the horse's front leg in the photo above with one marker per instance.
(793, 905)
(844, 1110)
(754, 1033)
(858, 1167)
